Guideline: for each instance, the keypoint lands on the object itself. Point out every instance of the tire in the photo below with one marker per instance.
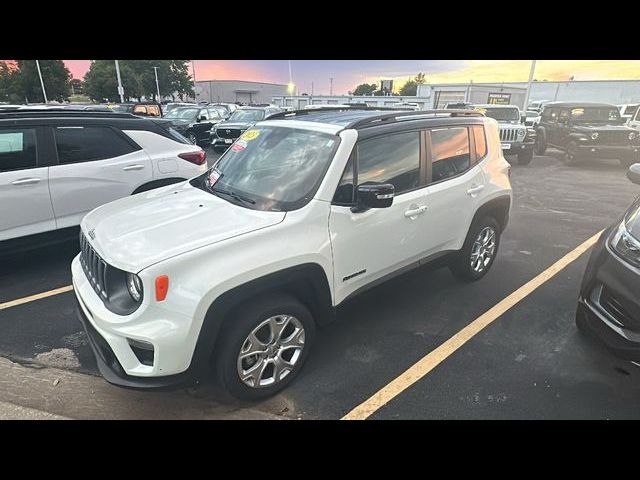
(272, 310)
(571, 154)
(541, 143)
(525, 157)
(461, 267)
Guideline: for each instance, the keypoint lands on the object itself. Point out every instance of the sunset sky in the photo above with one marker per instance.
(349, 73)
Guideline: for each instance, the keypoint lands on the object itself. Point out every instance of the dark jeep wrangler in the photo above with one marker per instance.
(584, 129)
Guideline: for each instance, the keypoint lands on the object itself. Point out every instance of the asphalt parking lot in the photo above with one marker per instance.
(531, 362)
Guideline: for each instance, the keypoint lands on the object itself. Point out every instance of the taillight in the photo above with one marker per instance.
(199, 157)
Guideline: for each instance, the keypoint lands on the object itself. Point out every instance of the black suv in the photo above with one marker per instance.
(195, 122)
(584, 129)
(227, 132)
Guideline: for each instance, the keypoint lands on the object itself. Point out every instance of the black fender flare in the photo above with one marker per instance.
(497, 208)
(163, 182)
(307, 282)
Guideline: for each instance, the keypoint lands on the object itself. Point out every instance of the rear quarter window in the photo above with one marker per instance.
(84, 144)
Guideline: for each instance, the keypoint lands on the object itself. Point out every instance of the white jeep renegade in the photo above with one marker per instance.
(233, 270)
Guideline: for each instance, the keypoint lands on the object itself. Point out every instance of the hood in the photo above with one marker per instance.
(137, 231)
(235, 125)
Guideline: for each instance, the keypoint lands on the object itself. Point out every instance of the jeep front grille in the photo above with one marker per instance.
(613, 138)
(228, 132)
(94, 267)
(508, 134)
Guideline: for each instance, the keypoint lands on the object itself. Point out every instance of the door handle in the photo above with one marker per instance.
(26, 181)
(475, 189)
(128, 168)
(414, 212)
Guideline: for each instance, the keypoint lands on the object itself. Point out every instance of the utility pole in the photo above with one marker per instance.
(312, 88)
(195, 94)
(331, 86)
(44, 93)
(155, 69)
(120, 89)
(531, 72)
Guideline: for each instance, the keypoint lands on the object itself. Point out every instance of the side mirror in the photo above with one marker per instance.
(374, 195)
(633, 173)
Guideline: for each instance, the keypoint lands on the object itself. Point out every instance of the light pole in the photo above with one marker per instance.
(155, 69)
(531, 72)
(331, 86)
(44, 93)
(195, 94)
(120, 89)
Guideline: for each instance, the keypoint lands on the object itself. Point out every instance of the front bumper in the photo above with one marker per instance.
(516, 147)
(609, 151)
(109, 335)
(609, 303)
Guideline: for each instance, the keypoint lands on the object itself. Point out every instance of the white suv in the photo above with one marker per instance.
(235, 268)
(55, 166)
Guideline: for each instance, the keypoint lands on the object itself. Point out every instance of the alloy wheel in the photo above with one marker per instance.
(483, 250)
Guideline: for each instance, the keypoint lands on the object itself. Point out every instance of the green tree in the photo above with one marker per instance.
(26, 81)
(76, 86)
(364, 89)
(420, 78)
(409, 89)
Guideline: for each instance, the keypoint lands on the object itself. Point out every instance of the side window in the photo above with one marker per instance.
(140, 110)
(345, 191)
(17, 149)
(480, 141)
(84, 144)
(553, 115)
(450, 155)
(203, 113)
(563, 116)
(213, 114)
(391, 159)
(153, 110)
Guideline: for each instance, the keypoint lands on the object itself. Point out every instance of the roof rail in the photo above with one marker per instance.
(62, 112)
(328, 108)
(412, 115)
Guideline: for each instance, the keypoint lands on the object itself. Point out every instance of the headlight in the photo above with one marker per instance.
(134, 285)
(594, 135)
(632, 135)
(625, 245)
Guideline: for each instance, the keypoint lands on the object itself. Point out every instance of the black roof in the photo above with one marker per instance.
(64, 113)
(578, 104)
(364, 117)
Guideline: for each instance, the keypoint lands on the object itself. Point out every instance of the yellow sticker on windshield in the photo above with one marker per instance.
(250, 135)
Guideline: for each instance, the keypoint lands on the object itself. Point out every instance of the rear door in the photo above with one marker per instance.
(96, 165)
(24, 190)
(455, 181)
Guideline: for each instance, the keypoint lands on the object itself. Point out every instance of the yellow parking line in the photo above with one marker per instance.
(37, 296)
(430, 361)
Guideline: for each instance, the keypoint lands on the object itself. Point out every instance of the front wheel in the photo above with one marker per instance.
(479, 251)
(571, 157)
(541, 143)
(525, 157)
(265, 344)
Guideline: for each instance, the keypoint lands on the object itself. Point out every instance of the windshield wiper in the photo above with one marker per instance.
(235, 195)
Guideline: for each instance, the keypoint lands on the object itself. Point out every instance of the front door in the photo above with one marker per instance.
(24, 186)
(368, 245)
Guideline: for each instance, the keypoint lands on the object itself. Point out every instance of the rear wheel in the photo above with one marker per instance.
(264, 347)
(479, 251)
(525, 157)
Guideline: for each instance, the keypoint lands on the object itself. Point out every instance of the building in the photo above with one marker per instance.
(237, 91)
(301, 101)
(615, 92)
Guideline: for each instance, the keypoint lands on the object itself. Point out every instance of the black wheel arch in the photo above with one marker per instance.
(163, 182)
(497, 208)
(306, 282)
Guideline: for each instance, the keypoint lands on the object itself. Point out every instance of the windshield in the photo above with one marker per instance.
(271, 168)
(595, 114)
(502, 113)
(630, 110)
(247, 116)
(182, 113)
